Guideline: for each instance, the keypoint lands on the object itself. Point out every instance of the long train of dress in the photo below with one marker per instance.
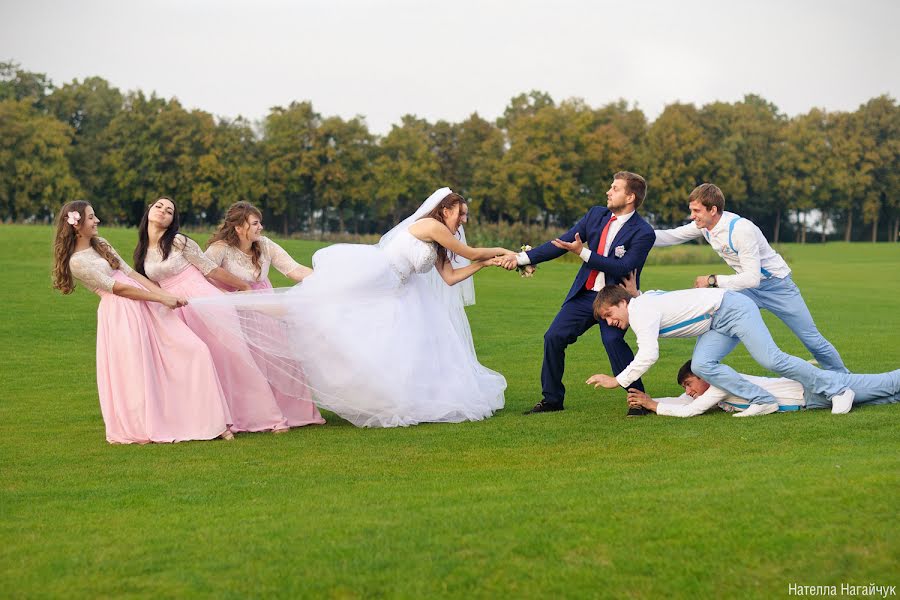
(381, 341)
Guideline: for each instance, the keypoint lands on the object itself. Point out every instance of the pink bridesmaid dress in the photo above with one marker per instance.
(295, 403)
(255, 405)
(155, 378)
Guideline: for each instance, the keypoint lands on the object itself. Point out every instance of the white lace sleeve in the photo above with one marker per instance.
(216, 253)
(281, 260)
(195, 256)
(85, 270)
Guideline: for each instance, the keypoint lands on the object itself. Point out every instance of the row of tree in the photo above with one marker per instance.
(541, 162)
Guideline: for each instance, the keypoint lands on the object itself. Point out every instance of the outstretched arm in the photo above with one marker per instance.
(551, 250)
(453, 276)
(679, 235)
(207, 266)
(135, 293)
(683, 406)
(220, 275)
(150, 285)
(299, 274)
(431, 230)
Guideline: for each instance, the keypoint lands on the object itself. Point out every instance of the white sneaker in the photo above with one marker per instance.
(757, 409)
(843, 402)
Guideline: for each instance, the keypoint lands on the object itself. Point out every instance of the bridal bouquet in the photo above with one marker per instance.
(526, 270)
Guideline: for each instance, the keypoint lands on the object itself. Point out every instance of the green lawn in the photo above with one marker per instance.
(583, 503)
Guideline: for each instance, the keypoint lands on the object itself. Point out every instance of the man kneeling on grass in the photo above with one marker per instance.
(699, 396)
(719, 319)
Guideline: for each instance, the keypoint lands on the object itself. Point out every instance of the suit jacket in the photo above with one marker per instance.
(636, 237)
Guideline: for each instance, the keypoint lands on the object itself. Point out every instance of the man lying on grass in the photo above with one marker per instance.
(699, 396)
(719, 319)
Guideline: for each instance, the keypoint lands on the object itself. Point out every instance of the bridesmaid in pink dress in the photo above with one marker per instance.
(178, 264)
(239, 248)
(155, 378)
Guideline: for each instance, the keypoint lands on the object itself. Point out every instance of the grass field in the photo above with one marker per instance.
(583, 503)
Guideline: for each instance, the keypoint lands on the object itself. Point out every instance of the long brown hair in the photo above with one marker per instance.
(64, 246)
(437, 213)
(238, 214)
(165, 240)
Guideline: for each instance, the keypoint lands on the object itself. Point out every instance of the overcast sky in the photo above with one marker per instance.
(445, 60)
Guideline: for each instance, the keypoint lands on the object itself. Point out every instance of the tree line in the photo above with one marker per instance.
(542, 163)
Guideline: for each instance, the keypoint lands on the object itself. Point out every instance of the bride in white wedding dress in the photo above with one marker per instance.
(379, 333)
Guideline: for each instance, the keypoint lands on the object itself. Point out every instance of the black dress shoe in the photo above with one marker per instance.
(637, 411)
(544, 407)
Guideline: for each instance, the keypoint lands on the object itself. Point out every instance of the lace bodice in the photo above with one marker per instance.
(240, 265)
(408, 254)
(185, 252)
(93, 271)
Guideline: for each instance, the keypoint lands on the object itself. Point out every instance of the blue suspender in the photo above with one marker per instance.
(781, 407)
(731, 225)
(684, 324)
(731, 231)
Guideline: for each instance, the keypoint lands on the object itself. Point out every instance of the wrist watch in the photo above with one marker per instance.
(711, 280)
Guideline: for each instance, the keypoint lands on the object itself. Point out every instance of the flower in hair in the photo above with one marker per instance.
(73, 217)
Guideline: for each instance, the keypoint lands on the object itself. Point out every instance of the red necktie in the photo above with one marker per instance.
(592, 278)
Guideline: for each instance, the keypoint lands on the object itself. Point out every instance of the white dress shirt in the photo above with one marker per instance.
(656, 314)
(614, 228)
(787, 392)
(744, 248)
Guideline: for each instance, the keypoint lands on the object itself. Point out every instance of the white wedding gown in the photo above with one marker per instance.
(381, 340)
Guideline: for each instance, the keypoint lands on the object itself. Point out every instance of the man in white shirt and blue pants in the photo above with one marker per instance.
(699, 396)
(761, 273)
(720, 319)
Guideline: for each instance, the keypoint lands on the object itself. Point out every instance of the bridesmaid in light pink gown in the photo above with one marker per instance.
(240, 249)
(179, 266)
(155, 378)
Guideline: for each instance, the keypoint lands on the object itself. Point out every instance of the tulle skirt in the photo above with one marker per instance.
(254, 404)
(379, 348)
(155, 378)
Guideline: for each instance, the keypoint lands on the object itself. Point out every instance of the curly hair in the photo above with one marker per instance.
(64, 246)
(236, 215)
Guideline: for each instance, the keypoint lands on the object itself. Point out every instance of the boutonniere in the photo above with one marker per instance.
(620, 251)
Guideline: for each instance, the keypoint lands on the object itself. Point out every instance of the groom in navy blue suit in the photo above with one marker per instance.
(612, 242)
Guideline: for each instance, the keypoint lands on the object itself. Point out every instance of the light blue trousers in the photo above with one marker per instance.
(738, 320)
(878, 388)
(782, 298)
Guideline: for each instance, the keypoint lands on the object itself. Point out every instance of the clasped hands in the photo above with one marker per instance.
(509, 261)
(173, 302)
